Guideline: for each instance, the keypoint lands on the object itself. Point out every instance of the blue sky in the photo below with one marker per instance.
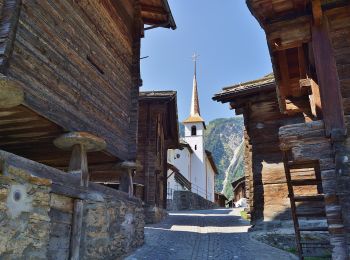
(231, 47)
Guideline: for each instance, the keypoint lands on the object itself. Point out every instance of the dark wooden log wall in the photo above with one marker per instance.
(339, 31)
(78, 62)
(152, 153)
(266, 187)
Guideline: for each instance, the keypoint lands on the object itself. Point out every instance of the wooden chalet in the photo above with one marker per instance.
(266, 189)
(157, 132)
(69, 88)
(220, 199)
(309, 48)
(239, 190)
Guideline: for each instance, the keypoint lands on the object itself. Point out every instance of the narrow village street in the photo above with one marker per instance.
(204, 234)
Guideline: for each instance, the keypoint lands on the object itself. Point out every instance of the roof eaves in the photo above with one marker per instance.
(172, 23)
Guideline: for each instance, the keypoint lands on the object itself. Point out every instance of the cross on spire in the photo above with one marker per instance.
(195, 58)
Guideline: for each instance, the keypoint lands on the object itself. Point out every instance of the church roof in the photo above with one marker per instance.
(211, 160)
(194, 119)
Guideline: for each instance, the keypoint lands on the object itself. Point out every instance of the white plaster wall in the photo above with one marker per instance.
(193, 166)
(198, 166)
(210, 181)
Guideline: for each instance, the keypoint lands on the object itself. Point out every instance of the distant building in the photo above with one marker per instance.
(192, 167)
(239, 191)
(220, 199)
(157, 132)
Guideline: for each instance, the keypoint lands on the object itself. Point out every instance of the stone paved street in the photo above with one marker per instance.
(205, 234)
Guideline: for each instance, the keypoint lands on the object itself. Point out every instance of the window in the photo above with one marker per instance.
(195, 147)
(193, 130)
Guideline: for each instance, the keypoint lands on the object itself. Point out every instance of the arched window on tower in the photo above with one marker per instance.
(193, 130)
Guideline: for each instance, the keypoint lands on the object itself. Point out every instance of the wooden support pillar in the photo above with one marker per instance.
(126, 180)
(327, 74)
(333, 117)
(79, 143)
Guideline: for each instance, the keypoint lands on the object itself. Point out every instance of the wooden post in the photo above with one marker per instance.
(333, 117)
(80, 143)
(77, 223)
(327, 74)
(126, 180)
(78, 164)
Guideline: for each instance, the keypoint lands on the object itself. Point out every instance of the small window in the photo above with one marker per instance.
(194, 130)
(195, 147)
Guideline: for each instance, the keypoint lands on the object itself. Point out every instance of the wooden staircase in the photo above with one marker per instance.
(306, 206)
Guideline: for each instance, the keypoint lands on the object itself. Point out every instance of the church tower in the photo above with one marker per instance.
(194, 136)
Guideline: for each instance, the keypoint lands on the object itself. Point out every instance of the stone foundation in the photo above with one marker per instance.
(36, 223)
(154, 215)
(186, 200)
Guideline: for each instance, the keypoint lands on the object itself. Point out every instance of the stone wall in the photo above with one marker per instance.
(186, 200)
(36, 223)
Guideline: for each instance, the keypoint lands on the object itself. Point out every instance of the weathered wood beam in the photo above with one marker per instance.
(327, 74)
(317, 12)
(77, 224)
(62, 183)
(153, 9)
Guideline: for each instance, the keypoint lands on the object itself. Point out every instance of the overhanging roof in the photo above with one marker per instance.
(157, 13)
(264, 84)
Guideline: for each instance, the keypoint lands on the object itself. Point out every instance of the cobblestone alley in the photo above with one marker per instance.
(204, 234)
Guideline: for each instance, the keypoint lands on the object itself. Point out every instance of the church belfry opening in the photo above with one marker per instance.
(193, 130)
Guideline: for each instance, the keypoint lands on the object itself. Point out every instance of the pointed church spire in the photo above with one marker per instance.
(195, 101)
(195, 116)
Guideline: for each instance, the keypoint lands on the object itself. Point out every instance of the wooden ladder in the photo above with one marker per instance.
(309, 215)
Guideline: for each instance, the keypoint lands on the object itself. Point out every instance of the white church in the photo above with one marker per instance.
(192, 167)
